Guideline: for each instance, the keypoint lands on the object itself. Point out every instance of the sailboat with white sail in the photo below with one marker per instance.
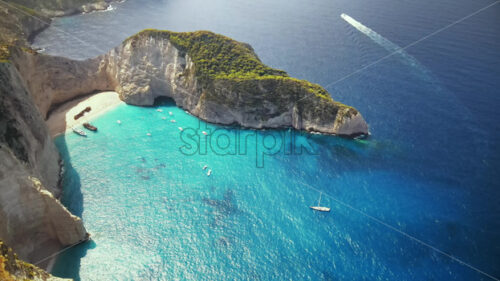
(320, 208)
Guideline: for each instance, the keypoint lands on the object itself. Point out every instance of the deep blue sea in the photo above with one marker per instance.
(424, 187)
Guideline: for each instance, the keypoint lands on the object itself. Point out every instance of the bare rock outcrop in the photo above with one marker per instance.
(30, 214)
(52, 80)
(214, 77)
(223, 81)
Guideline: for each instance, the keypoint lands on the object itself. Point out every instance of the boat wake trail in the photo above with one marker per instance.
(382, 41)
(423, 73)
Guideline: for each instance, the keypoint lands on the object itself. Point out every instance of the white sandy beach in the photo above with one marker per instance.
(62, 118)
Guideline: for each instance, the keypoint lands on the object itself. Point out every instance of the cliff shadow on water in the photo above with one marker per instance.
(72, 198)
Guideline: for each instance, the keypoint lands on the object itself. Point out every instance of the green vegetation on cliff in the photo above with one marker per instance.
(218, 57)
(14, 269)
(21, 19)
(17, 24)
(4, 52)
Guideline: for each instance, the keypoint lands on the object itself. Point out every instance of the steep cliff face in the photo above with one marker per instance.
(142, 70)
(53, 80)
(31, 217)
(214, 77)
(13, 269)
(223, 81)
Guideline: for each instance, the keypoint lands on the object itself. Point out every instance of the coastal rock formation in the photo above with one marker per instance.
(223, 81)
(58, 8)
(21, 20)
(32, 219)
(214, 77)
(53, 80)
(13, 269)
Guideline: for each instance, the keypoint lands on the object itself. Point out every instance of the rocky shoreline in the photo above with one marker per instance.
(33, 221)
(149, 65)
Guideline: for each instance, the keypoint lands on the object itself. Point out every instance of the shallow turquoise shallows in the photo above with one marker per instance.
(423, 187)
(155, 214)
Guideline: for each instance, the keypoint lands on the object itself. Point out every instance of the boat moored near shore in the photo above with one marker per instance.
(90, 127)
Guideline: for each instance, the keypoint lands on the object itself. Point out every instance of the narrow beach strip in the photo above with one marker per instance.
(62, 119)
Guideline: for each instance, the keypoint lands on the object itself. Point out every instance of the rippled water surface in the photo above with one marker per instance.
(425, 181)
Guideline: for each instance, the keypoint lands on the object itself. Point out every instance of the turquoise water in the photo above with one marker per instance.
(154, 214)
(430, 168)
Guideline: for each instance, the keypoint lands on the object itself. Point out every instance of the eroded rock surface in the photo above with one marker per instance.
(30, 214)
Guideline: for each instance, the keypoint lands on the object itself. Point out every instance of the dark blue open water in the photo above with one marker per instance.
(430, 168)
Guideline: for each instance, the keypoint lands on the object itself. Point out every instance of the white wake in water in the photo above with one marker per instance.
(425, 73)
(382, 41)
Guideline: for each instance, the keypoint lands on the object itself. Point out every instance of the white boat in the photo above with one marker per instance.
(181, 129)
(209, 172)
(148, 134)
(170, 113)
(320, 208)
(164, 118)
(159, 110)
(173, 121)
(205, 133)
(205, 167)
(118, 121)
(79, 132)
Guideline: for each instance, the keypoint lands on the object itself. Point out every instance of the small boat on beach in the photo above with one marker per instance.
(79, 132)
(320, 208)
(90, 127)
(79, 115)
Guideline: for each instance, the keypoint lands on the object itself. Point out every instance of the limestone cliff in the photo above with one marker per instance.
(223, 81)
(53, 80)
(31, 218)
(13, 269)
(214, 77)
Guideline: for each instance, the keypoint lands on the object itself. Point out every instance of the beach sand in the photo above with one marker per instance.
(62, 118)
